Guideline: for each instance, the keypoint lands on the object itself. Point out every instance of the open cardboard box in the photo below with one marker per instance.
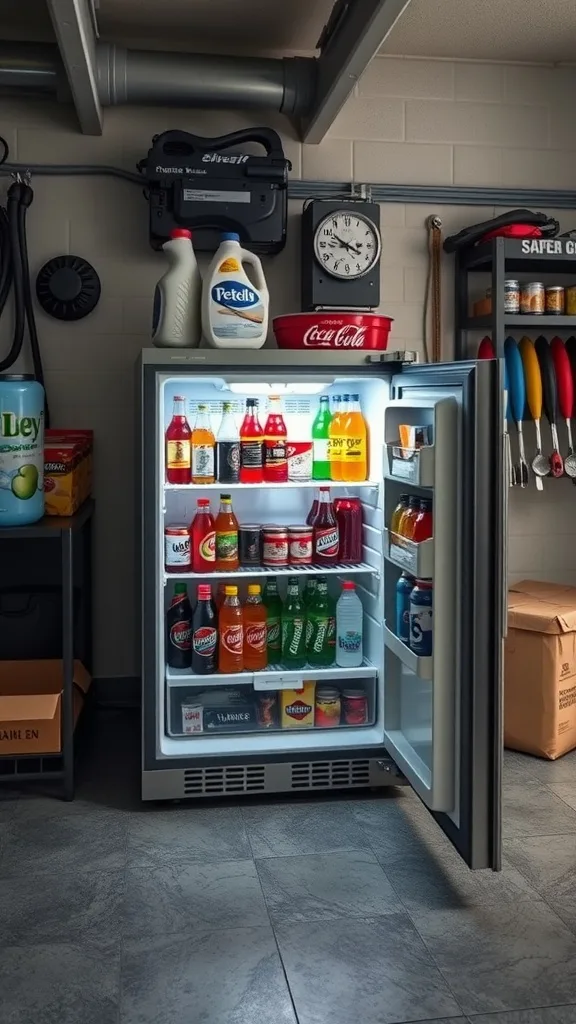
(30, 705)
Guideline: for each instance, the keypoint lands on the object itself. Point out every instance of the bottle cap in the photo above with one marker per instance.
(230, 236)
(203, 502)
(180, 233)
(225, 497)
(231, 591)
(253, 588)
(180, 588)
(204, 591)
(348, 585)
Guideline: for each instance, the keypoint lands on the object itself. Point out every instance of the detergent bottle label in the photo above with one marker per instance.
(237, 310)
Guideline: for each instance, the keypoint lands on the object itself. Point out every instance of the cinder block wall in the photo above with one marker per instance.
(410, 122)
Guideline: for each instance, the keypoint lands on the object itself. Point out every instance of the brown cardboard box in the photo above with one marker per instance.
(540, 669)
(67, 470)
(30, 702)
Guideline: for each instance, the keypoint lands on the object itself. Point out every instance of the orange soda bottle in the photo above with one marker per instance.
(355, 447)
(408, 517)
(397, 513)
(230, 634)
(254, 620)
(203, 445)
(335, 440)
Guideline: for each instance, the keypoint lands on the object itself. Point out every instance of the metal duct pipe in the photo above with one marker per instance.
(35, 67)
(204, 80)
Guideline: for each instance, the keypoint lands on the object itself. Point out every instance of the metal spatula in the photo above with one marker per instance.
(565, 389)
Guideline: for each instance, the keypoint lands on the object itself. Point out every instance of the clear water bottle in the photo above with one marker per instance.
(349, 615)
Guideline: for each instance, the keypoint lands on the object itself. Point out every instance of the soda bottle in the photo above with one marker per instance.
(293, 628)
(313, 511)
(254, 620)
(251, 446)
(335, 437)
(309, 591)
(404, 588)
(275, 437)
(321, 627)
(349, 627)
(320, 438)
(408, 517)
(228, 447)
(397, 513)
(226, 536)
(348, 513)
(177, 438)
(220, 595)
(273, 604)
(179, 629)
(204, 633)
(231, 634)
(355, 447)
(203, 538)
(203, 448)
(325, 531)
(423, 523)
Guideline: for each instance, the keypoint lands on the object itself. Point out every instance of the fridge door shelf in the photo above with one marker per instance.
(421, 667)
(291, 484)
(414, 466)
(417, 559)
(272, 678)
(341, 568)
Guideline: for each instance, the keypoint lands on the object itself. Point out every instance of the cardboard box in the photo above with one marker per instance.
(540, 669)
(67, 470)
(297, 706)
(30, 705)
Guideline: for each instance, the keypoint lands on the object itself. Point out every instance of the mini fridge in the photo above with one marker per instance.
(432, 722)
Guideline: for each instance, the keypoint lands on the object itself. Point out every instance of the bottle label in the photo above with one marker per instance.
(204, 641)
(335, 449)
(309, 633)
(256, 637)
(181, 634)
(326, 542)
(352, 450)
(350, 641)
(228, 461)
(251, 454)
(207, 547)
(232, 638)
(177, 549)
(178, 454)
(299, 455)
(320, 450)
(202, 460)
(227, 546)
(293, 634)
(275, 454)
(323, 634)
(273, 635)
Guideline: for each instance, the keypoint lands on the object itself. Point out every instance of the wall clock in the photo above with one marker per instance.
(341, 248)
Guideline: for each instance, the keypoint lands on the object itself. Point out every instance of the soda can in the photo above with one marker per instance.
(249, 544)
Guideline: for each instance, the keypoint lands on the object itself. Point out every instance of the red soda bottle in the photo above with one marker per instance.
(178, 450)
(275, 437)
(313, 512)
(251, 446)
(326, 537)
(203, 533)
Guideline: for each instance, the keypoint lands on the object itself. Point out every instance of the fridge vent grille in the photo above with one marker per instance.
(330, 774)
(229, 779)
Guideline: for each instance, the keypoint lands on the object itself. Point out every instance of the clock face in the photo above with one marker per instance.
(346, 244)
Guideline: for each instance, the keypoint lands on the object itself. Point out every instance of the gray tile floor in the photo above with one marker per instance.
(344, 910)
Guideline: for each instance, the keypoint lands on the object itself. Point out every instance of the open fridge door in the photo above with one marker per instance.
(442, 717)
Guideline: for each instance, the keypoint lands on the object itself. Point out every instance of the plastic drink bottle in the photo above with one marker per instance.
(204, 633)
(234, 310)
(349, 627)
(226, 526)
(203, 447)
(355, 448)
(176, 318)
(404, 588)
(321, 627)
(309, 591)
(397, 514)
(326, 539)
(320, 440)
(350, 520)
(273, 605)
(423, 525)
(275, 438)
(408, 517)
(179, 629)
(293, 628)
(203, 538)
(228, 447)
(254, 620)
(178, 453)
(251, 446)
(421, 601)
(231, 633)
(335, 439)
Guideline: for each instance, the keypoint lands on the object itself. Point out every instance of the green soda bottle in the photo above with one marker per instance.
(321, 628)
(273, 603)
(293, 627)
(320, 436)
(309, 591)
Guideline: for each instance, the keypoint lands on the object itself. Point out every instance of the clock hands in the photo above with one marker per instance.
(346, 245)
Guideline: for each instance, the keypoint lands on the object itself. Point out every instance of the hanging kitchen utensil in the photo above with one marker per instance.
(571, 352)
(550, 399)
(517, 394)
(540, 464)
(486, 351)
(565, 389)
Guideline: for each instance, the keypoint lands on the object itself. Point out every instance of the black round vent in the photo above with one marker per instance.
(67, 287)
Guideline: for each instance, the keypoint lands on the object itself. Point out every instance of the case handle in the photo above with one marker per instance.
(266, 137)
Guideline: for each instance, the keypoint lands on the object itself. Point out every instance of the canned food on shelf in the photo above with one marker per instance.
(555, 300)
(275, 546)
(532, 297)
(511, 296)
(570, 300)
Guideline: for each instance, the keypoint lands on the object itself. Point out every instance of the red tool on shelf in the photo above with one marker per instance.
(565, 387)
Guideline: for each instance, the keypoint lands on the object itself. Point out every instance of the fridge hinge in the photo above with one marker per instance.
(400, 356)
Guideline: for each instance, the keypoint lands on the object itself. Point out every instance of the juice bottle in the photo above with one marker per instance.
(397, 513)
(203, 538)
(230, 633)
(407, 519)
(228, 447)
(273, 605)
(226, 536)
(355, 447)
(254, 620)
(335, 439)
(326, 537)
(203, 446)
(178, 444)
(251, 446)
(275, 437)
(423, 525)
(320, 440)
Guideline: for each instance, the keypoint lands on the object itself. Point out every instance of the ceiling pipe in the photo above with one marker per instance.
(34, 67)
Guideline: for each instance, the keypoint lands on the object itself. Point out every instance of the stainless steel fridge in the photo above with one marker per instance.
(433, 722)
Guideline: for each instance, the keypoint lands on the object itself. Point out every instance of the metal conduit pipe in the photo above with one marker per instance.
(35, 67)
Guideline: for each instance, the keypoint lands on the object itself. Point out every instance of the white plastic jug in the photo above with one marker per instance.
(234, 311)
(176, 318)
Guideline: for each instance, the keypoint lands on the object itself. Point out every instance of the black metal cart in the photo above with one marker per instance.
(51, 557)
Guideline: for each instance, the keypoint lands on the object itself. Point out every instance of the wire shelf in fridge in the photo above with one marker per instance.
(341, 568)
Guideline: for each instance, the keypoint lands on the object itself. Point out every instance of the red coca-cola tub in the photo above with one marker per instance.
(332, 330)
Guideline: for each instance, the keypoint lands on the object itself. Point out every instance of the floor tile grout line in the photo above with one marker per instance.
(523, 1009)
(285, 973)
(434, 961)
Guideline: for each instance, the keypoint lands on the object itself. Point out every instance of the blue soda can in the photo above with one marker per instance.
(421, 618)
(404, 588)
